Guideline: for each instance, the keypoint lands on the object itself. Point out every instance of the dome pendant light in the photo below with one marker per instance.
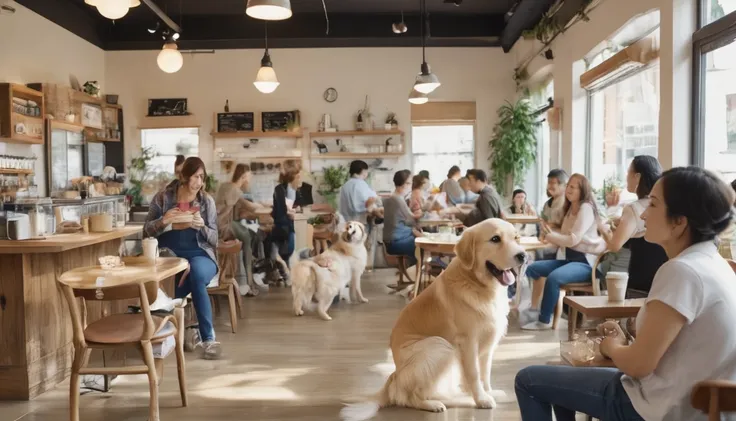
(113, 9)
(133, 3)
(266, 81)
(170, 59)
(418, 98)
(268, 9)
(426, 81)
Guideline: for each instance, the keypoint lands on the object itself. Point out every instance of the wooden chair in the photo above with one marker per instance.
(582, 288)
(228, 254)
(400, 263)
(117, 331)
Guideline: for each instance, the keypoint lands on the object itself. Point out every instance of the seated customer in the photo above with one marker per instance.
(684, 331)
(488, 204)
(646, 257)
(232, 208)
(470, 197)
(196, 241)
(579, 243)
(519, 206)
(418, 198)
(451, 186)
(399, 221)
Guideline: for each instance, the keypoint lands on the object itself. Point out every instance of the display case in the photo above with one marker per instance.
(40, 214)
(76, 209)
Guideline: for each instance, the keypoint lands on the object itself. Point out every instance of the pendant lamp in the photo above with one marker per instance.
(426, 81)
(170, 59)
(418, 98)
(113, 9)
(133, 3)
(268, 9)
(266, 81)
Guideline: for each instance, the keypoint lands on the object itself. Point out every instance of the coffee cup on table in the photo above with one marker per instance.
(616, 283)
(150, 249)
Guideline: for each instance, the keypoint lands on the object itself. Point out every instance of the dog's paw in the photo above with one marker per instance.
(485, 401)
(325, 317)
(433, 406)
(363, 300)
(299, 312)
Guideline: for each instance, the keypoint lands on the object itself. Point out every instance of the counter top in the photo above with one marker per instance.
(62, 242)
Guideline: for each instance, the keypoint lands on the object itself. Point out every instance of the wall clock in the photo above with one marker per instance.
(330, 95)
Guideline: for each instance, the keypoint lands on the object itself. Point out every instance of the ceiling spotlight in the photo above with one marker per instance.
(175, 36)
(155, 28)
(400, 28)
(268, 9)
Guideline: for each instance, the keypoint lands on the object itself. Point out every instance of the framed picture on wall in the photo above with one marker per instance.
(160, 107)
(92, 116)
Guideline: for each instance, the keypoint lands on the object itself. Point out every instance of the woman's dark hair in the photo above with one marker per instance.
(400, 177)
(559, 174)
(733, 185)
(586, 193)
(513, 196)
(240, 169)
(478, 174)
(453, 170)
(179, 160)
(190, 167)
(418, 181)
(357, 167)
(649, 169)
(424, 173)
(289, 175)
(701, 197)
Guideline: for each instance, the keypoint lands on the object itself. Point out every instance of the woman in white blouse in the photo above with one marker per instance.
(684, 333)
(578, 243)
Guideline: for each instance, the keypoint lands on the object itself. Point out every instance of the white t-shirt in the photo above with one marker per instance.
(638, 208)
(700, 285)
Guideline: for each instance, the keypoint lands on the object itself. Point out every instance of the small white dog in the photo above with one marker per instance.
(324, 276)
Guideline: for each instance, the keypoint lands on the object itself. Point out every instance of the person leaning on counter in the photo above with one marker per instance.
(183, 218)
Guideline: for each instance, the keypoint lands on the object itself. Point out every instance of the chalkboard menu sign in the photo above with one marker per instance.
(277, 121)
(235, 122)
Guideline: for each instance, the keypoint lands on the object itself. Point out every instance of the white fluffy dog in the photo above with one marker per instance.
(461, 316)
(324, 276)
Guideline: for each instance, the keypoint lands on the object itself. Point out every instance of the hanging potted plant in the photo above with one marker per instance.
(513, 145)
(333, 177)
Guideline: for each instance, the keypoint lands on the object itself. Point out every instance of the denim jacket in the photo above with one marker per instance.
(165, 200)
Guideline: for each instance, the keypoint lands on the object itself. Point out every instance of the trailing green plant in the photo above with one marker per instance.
(513, 145)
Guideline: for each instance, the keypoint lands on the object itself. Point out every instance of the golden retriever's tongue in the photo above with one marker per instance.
(508, 277)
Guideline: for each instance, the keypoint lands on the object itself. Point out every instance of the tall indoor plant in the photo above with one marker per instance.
(333, 177)
(513, 145)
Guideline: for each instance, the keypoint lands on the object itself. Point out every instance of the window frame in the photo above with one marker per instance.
(425, 123)
(706, 38)
(199, 139)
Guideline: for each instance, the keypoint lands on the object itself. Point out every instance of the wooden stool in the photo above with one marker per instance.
(579, 288)
(139, 279)
(400, 263)
(227, 256)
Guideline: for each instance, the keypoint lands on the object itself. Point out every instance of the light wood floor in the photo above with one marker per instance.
(280, 367)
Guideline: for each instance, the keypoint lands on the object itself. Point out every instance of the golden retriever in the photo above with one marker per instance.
(461, 316)
(324, 276)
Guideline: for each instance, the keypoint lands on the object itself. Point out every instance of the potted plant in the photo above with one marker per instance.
(391, 122)
(612, 188)
(364, 119)
(333, 177)
(292, 125)
(513, 145)
(140, 172)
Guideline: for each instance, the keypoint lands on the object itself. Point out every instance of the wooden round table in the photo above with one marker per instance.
(137, 269)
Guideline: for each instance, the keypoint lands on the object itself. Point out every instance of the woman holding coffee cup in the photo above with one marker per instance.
(646, 257)
(183, 218)
(684, 330)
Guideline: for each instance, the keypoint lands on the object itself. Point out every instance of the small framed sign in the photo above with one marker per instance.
(160, 107)
(235, 122)
(279, 121)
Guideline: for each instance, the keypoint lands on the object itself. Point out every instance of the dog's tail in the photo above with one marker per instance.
(303, 284)
(366, 410)
(299, 255)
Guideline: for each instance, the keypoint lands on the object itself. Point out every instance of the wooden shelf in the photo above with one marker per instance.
(8, 117)
(338, 155)
(170, 122)
(102, 139)
(80, 96)
(357, 133)
(22, 91)
(20, 116)
(255, 135)
(15, 172)
(63, 125)
(22, 139)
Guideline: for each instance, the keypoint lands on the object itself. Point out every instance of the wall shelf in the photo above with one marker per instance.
(64, 125)
(254, 135)
(357, 133)
(15, 172)
(9, 118)
(169, 122)
(351, 155)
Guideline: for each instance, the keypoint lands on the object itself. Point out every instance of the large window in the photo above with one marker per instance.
(436, 148)
(714, 122)
(623, 123)
(168, 143)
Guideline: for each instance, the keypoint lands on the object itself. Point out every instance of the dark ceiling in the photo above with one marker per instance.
(223, 24)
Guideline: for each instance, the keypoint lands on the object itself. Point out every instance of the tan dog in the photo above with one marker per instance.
(324, 276)
(461, 315)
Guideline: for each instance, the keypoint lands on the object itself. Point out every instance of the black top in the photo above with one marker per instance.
(646, 258)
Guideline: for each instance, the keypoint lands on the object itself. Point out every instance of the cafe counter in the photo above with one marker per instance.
(35, 326)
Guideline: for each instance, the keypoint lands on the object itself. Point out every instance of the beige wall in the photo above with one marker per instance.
(483, 75)
(33, 49)
(677, 26)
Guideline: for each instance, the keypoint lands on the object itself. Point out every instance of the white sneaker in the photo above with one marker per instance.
(527, 316)
(210, 350)
(537, 326)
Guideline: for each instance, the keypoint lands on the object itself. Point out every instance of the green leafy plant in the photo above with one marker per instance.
(513, 145)
(333, 177)
(140, 172)
(210, 183)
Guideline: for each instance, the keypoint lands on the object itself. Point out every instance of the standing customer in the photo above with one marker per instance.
(194, 241)
(357, 199)
(399, 223)
(488, 204)
(282, 233)
(646, 257)
(579, 243)
(684, 332)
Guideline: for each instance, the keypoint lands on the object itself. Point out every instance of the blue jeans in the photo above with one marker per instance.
(557, 272)
(201, 271)
(594, 391)
(403, 247)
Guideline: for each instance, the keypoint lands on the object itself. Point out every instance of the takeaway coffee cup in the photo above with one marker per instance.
(150, 249)
(617, 282)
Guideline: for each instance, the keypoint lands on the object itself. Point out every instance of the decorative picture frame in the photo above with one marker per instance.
(91, 116)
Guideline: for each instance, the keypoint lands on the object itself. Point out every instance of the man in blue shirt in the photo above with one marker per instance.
(357, 199)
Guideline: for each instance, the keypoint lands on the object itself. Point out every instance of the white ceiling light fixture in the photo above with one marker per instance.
(418, 98)
(266, 80)
(268, 9)
(170, 59)
(133, 3)
(426, 81)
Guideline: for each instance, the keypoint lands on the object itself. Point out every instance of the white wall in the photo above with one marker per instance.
(34, 49)
(677, 26)
(483, 75)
